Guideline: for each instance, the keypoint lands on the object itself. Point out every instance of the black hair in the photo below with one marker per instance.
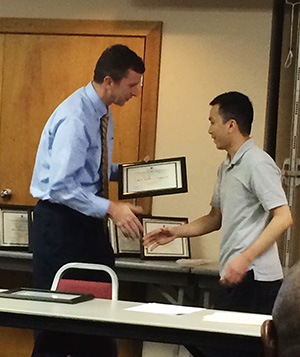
(237, 106)
(115, 62)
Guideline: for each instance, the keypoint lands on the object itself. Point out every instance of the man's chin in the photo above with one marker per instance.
(219, 146)
(120, 103)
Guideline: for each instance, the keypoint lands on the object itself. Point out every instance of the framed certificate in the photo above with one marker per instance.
(14, 226)
(122, 245)
(46, 295)
(153, 178)
(112, 233)
(179, 248)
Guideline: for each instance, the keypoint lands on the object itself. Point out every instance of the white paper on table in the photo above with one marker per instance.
(156, 308)
(237, 318)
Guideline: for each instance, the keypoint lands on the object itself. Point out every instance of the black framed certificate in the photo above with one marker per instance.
(14, 226)
(46, 295)
(153, 178)
(178, 248)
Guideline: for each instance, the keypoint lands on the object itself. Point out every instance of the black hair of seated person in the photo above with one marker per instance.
(286, 314)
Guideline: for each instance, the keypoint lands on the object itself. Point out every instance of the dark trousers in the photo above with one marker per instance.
(248, 296)
(55, 344)
(60, 235)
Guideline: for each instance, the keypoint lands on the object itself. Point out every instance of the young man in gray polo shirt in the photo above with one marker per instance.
(250, 205)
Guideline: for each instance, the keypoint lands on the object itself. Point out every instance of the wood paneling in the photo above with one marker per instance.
(16, 342)
(2, 38)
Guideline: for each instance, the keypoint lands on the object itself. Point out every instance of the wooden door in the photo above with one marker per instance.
(41, 66)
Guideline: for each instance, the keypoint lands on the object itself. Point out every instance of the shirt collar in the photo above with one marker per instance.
(99, 106)
(241, 151)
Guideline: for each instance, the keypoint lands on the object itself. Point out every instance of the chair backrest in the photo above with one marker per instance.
(269, 338)
(98, 289)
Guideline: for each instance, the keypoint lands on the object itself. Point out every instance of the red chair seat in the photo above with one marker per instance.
(100, 290)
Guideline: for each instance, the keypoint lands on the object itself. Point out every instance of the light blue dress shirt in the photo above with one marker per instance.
(67, 167)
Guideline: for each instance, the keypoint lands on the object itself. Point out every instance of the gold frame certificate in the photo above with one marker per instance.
(153, 178)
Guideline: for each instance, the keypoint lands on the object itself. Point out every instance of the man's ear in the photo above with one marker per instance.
(107, 81)
(232, 125)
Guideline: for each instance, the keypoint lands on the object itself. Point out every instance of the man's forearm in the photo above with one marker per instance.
(203, 225)
(281, 220)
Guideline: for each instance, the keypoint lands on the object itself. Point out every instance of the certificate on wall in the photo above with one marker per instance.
(14, 228)
(153, 178)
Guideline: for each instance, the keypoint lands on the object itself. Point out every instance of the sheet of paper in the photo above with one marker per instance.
(156, 308)
(237, 318)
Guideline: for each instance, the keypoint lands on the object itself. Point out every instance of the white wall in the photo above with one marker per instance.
(208, 47)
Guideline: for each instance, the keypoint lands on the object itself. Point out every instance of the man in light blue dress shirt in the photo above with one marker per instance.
(68, 220)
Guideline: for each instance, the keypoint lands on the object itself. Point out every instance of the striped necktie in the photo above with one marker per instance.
(104, 163)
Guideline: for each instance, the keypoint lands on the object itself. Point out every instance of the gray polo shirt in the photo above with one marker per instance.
(248, 187)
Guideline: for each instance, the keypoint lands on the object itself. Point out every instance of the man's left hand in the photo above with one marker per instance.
(235, 270)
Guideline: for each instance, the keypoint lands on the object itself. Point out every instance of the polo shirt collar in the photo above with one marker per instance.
(99, 106)
(241, 151)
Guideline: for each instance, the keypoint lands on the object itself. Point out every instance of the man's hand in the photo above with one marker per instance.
(123, 214)
(159, 236)
(235, 270)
